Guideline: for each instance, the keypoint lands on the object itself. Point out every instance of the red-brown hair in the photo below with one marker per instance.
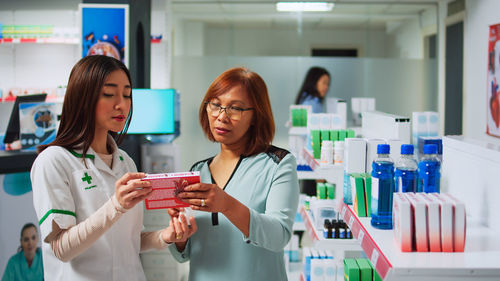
(261, 132)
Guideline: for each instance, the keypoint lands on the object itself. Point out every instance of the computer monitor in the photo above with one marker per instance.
(13, 128)
(154, 112)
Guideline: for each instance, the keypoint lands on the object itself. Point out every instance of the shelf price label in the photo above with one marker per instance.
(343, 211)
(374, 258)
(351, 222)
(361, 235)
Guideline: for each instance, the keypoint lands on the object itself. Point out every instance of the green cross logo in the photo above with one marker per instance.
(87, 178)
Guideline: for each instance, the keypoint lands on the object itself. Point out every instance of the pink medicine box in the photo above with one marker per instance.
(166, 187)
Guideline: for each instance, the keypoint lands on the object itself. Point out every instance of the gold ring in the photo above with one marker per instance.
(203, 202)
(178, 236)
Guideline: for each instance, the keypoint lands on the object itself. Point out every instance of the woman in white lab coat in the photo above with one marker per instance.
(87, 191)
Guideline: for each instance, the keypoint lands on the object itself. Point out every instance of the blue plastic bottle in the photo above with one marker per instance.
(382, 188)
(429, 170)
(405, 173)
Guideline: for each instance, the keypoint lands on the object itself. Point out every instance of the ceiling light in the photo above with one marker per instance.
(304, 6)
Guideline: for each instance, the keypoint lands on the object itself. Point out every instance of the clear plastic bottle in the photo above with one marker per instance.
(382, 188)
(429, 170)
(405, 171)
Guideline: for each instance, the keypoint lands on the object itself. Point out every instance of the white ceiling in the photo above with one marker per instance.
(263, 14)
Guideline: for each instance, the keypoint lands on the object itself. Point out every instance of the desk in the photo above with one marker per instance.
(16, 161)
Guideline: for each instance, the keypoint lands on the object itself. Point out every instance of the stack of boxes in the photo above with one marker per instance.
(360, 270)
(426, 222)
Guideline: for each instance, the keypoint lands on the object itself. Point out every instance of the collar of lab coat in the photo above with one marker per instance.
(91, 155)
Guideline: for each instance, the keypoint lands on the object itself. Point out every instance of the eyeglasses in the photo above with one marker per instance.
(233, 112)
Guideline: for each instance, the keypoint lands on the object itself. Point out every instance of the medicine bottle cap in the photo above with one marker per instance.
(430, 149)
(407, 149)
(383, 149)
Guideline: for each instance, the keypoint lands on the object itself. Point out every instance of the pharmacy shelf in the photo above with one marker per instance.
(320, 242)
(331, 173)
(480, 261)
(298, 131)
(46, 40)
(51, 40)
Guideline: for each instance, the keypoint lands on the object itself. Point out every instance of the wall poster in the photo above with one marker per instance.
(493, 89)
(104, 30)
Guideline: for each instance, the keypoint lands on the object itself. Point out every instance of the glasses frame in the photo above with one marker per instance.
(222, 108)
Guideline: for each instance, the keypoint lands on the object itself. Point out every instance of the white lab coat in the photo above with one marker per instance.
(66, 191)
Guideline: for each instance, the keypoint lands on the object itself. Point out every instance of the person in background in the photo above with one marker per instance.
(248, 195)
(27, 264)
(314, 89)
(87, 192)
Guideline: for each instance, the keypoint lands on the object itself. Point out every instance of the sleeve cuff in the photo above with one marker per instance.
(163, 243)
(250, 239)
(117, 205)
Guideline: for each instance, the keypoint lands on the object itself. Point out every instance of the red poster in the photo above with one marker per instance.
(493, 89)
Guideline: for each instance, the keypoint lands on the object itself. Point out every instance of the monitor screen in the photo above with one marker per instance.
(153, 111)
(12, 132)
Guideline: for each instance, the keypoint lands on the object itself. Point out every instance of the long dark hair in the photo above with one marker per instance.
(77, 126)
(26, 226)
(309, 85)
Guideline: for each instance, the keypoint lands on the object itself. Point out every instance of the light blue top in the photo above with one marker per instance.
(315, 102)
(17, 268)
(267, 184)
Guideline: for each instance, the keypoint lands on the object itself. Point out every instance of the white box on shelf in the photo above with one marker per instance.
(446, 208)
(338, 106)
(459, 223)
(420, 221)
(402, 221)
(386, 126)
(371, 152)
(433, 221)
(395, 151)
(355, 155)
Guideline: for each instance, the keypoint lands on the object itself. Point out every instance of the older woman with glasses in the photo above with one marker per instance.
(248, 195)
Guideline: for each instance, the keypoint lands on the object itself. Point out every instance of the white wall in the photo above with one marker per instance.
(405, 40)
(479, 15)
(247, 41)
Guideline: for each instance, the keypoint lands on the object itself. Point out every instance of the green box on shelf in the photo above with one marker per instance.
(320, 190)
(357, 185)
(351, 270)
(350, 133)
(330, 190)
(316, 143)
(376, 276)
(334, 135)
(295, 117)
(342, 135)
(365, 270)
(325, 135)
(368, 193)
(303, 117)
